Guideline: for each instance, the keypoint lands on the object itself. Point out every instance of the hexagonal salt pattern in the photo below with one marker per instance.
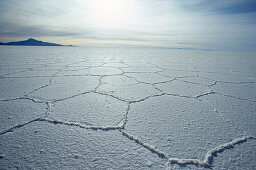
(91, 109)
(132, 91)
(126, 108)
(181, 127)
(40, 145)
(64, 87)
(14, 112)
(240, 112)
(245, 91)
(181, 88)
(18, 87)
(240, 156)
(151, 78)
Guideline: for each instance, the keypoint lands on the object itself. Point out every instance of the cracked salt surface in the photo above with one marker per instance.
(133, 92)
(16, 111)
(117, 108)
(41, 145)
(239, 112)
(188, 128)
(91, 108)
(119, 80)
(150, 78)
(197, 80)
(244, 90)
(240, 156)
(18, 87)
(63, 87)
(177, 73)
(225, 77)
(181, 88)
(138, 69)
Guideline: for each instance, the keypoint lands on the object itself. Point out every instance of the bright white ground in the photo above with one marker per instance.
(117, 108)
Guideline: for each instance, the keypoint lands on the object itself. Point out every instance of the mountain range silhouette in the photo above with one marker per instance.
(32, 42)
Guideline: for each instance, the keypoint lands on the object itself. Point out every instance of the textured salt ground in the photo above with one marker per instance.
(197, 80)
(119, 80)
(63, 87)
(244, 91)
(74, 71)
(239, 112)
(16, 111)
(138, 69)
(92, 109)
(148, 77)
(33, 73)
(180, 88)
(129, 93)
(240, 156)
(104, 71)
(13, 88)
(92, 71)
(184, 128)
(41, 145)
(153, 109)
(217, 69)
(178, 66)
(9, 71)
(225, 77)
(87, 63)
(115, 64)
(133, 65)
(177, 73)
(15, 67)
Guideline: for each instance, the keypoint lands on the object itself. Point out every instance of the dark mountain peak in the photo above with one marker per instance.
(31, 39)
(32, 42)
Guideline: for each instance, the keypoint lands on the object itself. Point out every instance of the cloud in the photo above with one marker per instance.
(221, 6)
(199, 23)
(15, 30)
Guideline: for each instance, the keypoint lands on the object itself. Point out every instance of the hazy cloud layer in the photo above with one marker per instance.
(200, 24)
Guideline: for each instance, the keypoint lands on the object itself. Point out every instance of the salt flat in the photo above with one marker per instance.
(126, 108)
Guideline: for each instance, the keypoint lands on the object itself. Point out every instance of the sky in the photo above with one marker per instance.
(196, 24)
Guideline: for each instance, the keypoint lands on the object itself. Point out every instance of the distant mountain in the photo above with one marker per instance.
(32, 42)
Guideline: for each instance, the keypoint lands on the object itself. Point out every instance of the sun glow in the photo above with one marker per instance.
(110, 13)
